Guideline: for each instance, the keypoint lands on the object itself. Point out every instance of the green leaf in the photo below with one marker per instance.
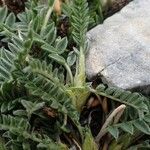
(31, 107)
(38, 106)
(29, 15)
(18, 42)
(62, 45)
(2, 144)
(13, 124)
(58, 58)
(36, 24)
(26, 146)
(55, 104)
(147, 118)
(7, 106)
(10, 20)
(51, 36)
(79, 21)
(46, 30)
(22, 17)
(89, 143)
(142, 126)
(114, 131)
(100, 88)
(127, 127)
(66, 10)
(14, 49)
(71, 59)
(27, 104)
(20, 112)
(3, 14)
(49, 48)
(124, 97)
(50, 3)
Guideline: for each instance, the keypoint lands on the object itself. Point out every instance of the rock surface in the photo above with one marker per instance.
(120, 48)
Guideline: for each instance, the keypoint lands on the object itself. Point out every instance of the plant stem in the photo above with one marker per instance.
(113, 98)
(80, 70)
(116, 114)
(48, 15)
(70, 73)
(100, 10)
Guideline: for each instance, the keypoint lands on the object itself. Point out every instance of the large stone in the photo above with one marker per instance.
(120, 48)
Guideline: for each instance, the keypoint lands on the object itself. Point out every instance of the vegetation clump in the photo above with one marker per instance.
(46, 101)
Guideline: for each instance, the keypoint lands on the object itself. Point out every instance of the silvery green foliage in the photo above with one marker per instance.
(33, 67)
(30, 81)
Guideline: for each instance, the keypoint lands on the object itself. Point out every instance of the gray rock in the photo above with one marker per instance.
(120, 48)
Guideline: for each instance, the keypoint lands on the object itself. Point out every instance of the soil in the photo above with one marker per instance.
(115, 7)
(15, 6)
